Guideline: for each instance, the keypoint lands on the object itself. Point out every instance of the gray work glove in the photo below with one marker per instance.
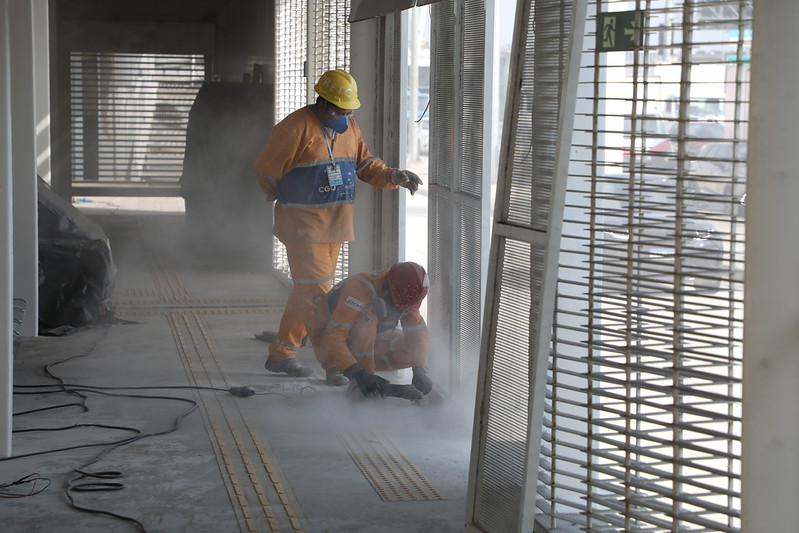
(420, 380)
(407, 179)
(369, 384)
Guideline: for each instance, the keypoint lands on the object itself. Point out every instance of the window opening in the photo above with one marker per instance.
(128, 121)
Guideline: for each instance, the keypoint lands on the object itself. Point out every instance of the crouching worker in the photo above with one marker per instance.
(356, 331)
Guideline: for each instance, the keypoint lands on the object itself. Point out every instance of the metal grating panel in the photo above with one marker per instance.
(329, 37)
(312, 37)
(291, 48)
(128, 117)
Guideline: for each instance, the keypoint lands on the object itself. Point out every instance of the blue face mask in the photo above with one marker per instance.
(338, 124)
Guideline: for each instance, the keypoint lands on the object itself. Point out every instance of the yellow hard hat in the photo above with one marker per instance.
(338, 88)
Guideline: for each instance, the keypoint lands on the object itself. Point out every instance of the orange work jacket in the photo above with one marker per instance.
(292, 168)
(348, 329)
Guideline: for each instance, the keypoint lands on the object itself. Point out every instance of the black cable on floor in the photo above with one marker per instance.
(86, 481)
(10, 490)
(79, 483)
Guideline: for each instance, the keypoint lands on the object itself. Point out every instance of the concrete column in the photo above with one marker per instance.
(363, 57)
(41, 74)
(6, 271)
(770, 454)
(23, 130)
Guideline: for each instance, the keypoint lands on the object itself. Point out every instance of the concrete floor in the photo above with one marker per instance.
(296, 456)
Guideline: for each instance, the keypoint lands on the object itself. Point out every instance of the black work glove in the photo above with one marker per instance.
(370, 384)
(420, 380)
(407, 392)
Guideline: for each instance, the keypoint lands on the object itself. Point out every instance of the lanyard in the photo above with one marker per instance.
(329, 146)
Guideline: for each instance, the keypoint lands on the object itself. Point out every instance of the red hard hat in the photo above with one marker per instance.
(409, 285)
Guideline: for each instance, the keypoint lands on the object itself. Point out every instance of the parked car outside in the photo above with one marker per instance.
(649, 243)
(657, 246)
(657, 143)
(424, 136)
(717, 177)
(653, 145)
(698, 133)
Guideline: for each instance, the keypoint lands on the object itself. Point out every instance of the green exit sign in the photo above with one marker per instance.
(618, 31)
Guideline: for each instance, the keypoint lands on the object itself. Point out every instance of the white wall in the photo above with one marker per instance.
(41, 73)
(23, 162)
(6, 334)
(363, 46)
(770, 457)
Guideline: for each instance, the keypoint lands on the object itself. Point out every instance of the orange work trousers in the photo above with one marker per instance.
(312, 266)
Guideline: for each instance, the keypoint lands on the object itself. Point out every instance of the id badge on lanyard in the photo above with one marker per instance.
(334, 178)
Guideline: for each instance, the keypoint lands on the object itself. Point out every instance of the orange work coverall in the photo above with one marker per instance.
(347, 328)
(312, 217)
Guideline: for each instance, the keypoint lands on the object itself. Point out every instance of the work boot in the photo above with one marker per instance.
(290, 367)
(271, 336)
(336, 378)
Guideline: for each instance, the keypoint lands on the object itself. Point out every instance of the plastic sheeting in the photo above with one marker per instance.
(76, 268)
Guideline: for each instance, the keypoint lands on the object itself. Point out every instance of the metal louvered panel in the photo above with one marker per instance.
(469, 299)
(644, 397)
(510, 437)
(550, 23)
(456, 178)
(443, 96)
(441, 314)
(503, 450)
(128, 120)
(471, 178)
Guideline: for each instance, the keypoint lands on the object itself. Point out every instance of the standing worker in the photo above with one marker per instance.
(356, 328)
(309, 166)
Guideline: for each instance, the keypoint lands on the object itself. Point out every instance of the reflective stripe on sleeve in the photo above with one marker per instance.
(360, 355)
(365, 164)
(417, 327)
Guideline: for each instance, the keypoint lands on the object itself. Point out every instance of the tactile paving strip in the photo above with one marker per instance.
(204, 303)
(256, 487)
(255, 484)
(127, 312)
(392, 474)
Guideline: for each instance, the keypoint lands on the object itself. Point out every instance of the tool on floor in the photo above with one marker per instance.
(242, 392)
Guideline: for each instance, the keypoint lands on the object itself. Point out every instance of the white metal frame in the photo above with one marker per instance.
(538, 348)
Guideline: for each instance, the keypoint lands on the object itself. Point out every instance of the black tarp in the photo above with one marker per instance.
(76, 269)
